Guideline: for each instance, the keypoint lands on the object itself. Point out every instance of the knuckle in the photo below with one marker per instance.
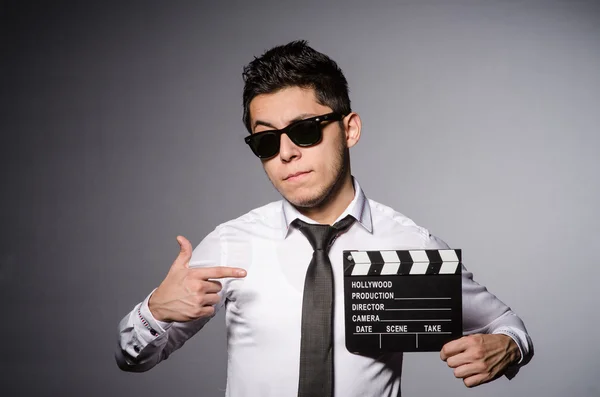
(196, 313)
(478, 353)
(199, 300)
(218, 286)
(208, 310)
(214, 299)
(190, 285)
(209, 299)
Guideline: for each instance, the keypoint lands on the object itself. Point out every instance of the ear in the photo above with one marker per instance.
(352, 126)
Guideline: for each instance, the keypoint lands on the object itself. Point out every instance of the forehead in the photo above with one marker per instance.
(280, 107)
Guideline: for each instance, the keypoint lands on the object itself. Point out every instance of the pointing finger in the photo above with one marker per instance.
(220, 272)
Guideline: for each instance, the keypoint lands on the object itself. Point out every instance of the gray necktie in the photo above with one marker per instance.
(316, 345)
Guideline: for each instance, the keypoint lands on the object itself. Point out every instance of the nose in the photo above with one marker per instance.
(288, 150)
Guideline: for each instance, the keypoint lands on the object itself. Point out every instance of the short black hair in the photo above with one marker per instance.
(295, 65)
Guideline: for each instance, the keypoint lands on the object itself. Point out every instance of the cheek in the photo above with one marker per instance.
(325, 159)
(271, 169)
(317, 157)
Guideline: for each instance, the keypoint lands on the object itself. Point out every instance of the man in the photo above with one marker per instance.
(264, 267)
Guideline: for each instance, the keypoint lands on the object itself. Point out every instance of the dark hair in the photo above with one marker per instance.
(295, 65)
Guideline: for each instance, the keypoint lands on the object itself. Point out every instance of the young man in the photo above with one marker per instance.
(282, 292)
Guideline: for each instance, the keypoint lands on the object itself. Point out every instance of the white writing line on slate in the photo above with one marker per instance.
(403, 299)
(443, 308)
(390, 321)
(400, 333)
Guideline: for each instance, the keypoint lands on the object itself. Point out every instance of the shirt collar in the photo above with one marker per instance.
(359, 208)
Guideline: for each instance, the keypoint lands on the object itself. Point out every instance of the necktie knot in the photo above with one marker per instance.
(321, 237)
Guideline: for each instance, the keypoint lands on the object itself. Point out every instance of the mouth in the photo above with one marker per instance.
(296, 176)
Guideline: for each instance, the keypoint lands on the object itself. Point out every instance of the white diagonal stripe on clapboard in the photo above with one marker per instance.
(390, 268)
(390, 256)
(361, 269)
(419, 256)
(448, 268)
(448, 255)
(360, 257)
(419, 268)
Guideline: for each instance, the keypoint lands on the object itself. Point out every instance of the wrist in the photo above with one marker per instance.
(513, 349)
(517, 353)
(155, 309)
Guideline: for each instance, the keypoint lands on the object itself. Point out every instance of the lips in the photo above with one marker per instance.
(296, 174)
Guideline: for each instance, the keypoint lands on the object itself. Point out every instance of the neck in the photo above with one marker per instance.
(330, 209)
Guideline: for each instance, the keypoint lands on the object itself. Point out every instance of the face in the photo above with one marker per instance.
(305, 176)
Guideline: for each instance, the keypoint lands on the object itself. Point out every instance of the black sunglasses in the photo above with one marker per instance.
(303, 133)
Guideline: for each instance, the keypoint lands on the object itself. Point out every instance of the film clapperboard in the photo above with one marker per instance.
(402, 300)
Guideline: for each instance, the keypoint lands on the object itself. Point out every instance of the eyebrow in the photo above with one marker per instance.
(297, 118)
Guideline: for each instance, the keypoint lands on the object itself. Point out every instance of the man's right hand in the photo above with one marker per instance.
(189, 293)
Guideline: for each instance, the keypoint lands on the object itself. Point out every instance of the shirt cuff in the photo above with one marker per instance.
(145, 316)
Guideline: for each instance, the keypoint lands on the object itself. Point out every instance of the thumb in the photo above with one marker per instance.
(185, 252)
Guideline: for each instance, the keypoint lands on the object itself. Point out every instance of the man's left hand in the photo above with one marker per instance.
(480, 358)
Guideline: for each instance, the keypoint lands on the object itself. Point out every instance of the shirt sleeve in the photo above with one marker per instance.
(484, 313)
(144, 341)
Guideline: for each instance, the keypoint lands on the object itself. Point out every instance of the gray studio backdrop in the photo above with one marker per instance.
(121, 128)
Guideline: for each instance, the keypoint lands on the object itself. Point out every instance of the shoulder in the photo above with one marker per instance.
(386, 215)
(265, 217)
(233, 238)
(387, 219)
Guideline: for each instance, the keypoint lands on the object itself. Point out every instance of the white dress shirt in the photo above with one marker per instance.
(263, 310)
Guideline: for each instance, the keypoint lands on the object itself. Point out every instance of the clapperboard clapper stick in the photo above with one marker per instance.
(402, 301)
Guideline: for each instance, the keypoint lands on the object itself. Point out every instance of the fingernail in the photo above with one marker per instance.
(241, 272)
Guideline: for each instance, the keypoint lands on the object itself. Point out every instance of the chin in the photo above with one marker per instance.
(307, 199)
(306, 202)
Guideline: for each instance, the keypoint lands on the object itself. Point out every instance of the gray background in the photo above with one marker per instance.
(121, 128)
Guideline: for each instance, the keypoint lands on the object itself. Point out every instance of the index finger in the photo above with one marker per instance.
(219, 272)
(453, 348)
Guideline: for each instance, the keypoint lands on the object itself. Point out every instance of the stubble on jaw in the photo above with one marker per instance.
(327, 192)
(340, 168)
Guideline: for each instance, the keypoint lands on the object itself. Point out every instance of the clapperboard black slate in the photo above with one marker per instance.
(402, 301)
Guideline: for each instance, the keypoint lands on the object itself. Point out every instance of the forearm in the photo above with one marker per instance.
(511, 325)
(142, 340)
(484, 313)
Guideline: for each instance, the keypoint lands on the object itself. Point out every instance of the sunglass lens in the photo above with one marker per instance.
(266, 145)
(305, 134)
